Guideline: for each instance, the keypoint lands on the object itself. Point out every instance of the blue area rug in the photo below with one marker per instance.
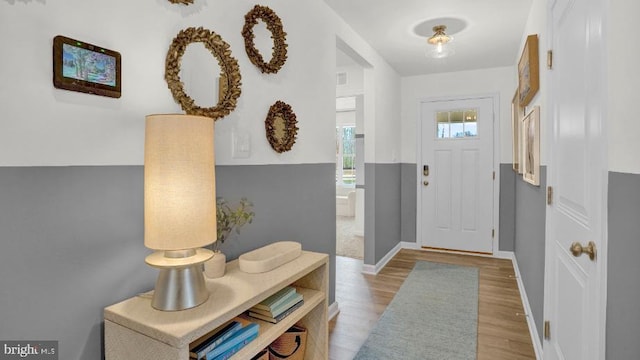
(434, 316)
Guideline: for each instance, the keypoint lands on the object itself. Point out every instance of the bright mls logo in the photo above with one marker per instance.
(32, 350)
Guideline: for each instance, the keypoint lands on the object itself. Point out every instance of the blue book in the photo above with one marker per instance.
(200, 351)
(237, 338)
(229, 353)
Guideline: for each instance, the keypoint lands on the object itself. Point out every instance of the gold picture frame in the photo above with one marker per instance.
(274, 25)
(531, 147)
(517, 113)
(230, 79)
(281, 127)
(529, 71)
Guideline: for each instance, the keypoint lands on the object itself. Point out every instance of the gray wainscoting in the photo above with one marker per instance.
(292, 202)
(408, 202)
(530, 220)
(72, 243)
(382, 210)
(623, 273)
(507, 209)
(72, 240)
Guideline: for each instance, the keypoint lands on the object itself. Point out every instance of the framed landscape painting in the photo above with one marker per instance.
(529, 71)
(531, 147)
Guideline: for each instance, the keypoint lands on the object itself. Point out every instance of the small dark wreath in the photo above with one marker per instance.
(281, 133)
(186, 2)
(274, 24)
(229, 72)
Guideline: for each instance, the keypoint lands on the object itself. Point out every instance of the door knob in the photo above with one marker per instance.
(425, 183)
(577, 249)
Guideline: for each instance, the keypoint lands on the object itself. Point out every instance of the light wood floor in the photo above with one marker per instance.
(502, 326)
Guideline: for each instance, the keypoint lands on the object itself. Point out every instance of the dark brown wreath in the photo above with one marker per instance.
(186, 2)
(274, 24)
(229, 72)
(283, 110)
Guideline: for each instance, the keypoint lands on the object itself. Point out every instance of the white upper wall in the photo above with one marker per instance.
(462, 83)
(355, 81)
(44, 126)
(381, 99)
(388, 119)
(622, 58)
(623, 77)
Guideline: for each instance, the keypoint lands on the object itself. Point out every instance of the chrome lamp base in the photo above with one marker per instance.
(179, 289)
(180, 284)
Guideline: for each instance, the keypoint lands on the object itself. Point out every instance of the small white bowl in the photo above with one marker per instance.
(269, 257)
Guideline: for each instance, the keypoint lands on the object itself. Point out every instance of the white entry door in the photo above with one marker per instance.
(574, 281)
(456, 174)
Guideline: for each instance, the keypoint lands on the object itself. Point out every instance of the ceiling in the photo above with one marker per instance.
(487, 33)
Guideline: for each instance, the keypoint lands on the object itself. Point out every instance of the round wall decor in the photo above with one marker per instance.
(274, 25)
(281, 127)
(229, 72)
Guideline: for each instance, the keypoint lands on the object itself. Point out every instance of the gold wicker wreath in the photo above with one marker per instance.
(274, 25)
(229, 72)
(281, 127)
(186, 2)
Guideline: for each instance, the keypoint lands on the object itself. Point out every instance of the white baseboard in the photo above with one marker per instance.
(369, 269)
(333, 311)
(508, 255)
(375, 269)
(410, 245)
(535, 339)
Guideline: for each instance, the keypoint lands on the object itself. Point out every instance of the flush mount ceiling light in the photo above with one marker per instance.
(441, 43)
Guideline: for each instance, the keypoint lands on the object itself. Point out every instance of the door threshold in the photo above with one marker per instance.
(462, 252)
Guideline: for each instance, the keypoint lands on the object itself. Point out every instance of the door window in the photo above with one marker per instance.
(457, 124)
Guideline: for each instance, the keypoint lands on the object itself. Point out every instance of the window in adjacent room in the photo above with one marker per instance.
(346, 155)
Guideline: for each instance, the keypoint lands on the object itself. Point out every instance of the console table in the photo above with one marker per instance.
(133, 329)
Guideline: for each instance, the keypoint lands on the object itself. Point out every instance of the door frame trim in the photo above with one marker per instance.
(495, 97)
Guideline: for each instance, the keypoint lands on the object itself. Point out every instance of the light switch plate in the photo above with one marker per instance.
(241, 144)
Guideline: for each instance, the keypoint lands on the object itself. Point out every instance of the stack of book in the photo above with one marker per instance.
(278, 306)
(226, 342)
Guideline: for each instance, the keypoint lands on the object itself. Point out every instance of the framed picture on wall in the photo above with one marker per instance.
(83, 67)
(531, 147)
(529, 71)
(517, 113)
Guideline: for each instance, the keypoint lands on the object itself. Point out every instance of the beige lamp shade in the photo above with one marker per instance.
(179, 182)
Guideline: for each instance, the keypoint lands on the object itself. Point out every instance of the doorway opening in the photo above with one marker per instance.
(349, 122)
(349, 227)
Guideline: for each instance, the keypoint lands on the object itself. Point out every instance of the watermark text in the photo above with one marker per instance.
(32, 350)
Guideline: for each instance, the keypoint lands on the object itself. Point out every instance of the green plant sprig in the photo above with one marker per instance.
(230, 219)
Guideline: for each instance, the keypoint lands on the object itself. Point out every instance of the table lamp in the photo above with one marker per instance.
(179, 206)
